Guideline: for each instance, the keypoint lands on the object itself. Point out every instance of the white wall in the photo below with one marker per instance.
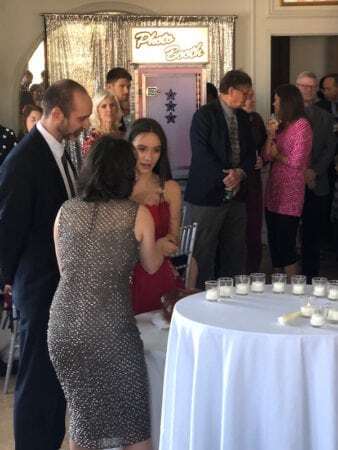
(319, 54)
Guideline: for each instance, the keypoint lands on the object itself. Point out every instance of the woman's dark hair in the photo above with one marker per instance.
(291, 104)
(108, 171)
(146, 125)
(26, 110)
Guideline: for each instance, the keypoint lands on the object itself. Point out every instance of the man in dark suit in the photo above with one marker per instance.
(223, 153)
(330, 90)
(35, 180)
(316, 176)
(330, 104)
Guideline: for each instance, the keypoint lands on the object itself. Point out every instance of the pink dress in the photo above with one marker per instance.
(286, 184)
(147, 289)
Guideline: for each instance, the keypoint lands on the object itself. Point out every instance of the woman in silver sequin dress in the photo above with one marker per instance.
(93, 340)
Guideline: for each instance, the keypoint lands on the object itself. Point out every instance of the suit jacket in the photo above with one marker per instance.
(211, 153)
(325, 104)
(323, 146)
(31, 193)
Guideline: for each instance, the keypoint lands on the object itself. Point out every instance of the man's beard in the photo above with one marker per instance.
(66, 134)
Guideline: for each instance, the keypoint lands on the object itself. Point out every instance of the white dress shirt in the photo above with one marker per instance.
(57, 149)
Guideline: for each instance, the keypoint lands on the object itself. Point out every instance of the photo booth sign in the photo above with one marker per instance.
(170, 45)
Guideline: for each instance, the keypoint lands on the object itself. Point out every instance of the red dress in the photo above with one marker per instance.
(147, 289)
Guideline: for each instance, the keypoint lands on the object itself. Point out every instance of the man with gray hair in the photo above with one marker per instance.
(316, 176)
(35, 179)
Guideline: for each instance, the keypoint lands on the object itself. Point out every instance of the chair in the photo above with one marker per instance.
(14, 344)
(182, 259)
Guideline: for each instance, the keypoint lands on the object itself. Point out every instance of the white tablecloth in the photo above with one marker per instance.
(237, 380)
(155, 344)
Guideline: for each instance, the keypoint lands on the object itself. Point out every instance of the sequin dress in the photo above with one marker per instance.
(93, 340)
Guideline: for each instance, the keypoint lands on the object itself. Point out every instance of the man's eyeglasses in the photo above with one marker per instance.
(306, 86)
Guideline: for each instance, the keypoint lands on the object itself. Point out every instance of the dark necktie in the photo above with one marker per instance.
(234, 141)
(67, 163)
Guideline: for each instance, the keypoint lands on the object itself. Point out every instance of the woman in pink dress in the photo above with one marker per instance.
(288, 147)
(155, 189)
(105, 119)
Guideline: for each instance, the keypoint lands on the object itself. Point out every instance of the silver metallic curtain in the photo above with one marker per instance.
(85, 47)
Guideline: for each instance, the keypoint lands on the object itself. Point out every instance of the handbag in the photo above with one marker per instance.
(169, 300)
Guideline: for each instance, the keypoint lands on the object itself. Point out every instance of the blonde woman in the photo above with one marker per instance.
(105, 119)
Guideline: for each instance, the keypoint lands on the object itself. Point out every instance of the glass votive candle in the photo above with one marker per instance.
(211, 290)
(298, 283)
(332, 313)
(307, 307)
(318, 317)
(225, 288)
(332, 290)
(278, 282)
(319, 285)
(257, 282)
(242, 283)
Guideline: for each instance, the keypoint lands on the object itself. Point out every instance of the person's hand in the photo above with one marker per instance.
(7, 297)
(310, 178)
(272, 128)
(7, 289)
(233, 179)
(166, 246)
(273, 150)
(259, 163)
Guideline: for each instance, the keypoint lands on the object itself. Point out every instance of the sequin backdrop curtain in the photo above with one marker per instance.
(84, 47)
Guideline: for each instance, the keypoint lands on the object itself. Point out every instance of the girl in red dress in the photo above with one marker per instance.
(155, 189)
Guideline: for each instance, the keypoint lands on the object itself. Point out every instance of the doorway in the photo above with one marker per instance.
(291, 55)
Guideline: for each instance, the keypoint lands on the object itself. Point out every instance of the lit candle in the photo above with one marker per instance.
(242, 288)
(257, 286)
(307, 310)
(225, 291)
(298, 289)
(319, 290)
(278, 286)
(317, 320)
(211, 294)
(332, 314)
(333, 293)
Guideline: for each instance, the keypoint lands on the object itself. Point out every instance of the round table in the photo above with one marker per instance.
(237, 380)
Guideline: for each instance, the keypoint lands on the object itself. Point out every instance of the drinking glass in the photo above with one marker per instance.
(298, 283)
(332, 290)
(242, 283)
(278, 283)
(211, 290)
(319, 285)
(225, 288)
(257, 282)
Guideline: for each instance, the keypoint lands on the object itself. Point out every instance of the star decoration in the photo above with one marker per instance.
(170, 95)
(171, 106)
(170, 117)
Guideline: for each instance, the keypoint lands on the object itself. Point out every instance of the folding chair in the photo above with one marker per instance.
(14, 343)
(182, 259)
